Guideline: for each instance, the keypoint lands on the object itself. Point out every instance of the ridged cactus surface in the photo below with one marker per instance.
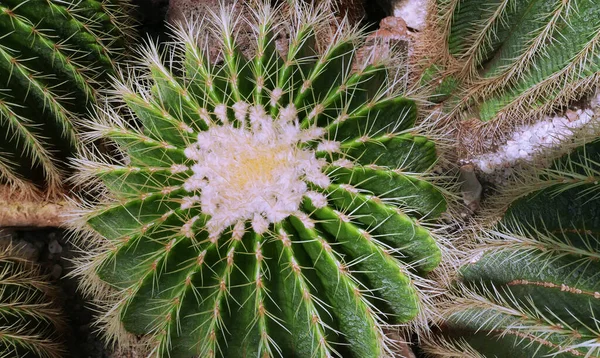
(53, 54)
(532, 286)
(270, 206)
(515, 59)
(30, 323)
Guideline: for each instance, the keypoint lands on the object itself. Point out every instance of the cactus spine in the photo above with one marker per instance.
(530, 287)
(30, 323)
(270, 206)
(510, 61)
(53, 56)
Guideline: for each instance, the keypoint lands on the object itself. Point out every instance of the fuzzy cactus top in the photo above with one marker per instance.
(265, 206)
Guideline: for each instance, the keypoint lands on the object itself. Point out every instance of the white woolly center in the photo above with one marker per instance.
(256, 172)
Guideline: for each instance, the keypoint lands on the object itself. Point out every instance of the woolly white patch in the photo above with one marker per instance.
(238, 230)
(318, 200)
(254, 174)
(343, 163)
(221, 113)
(349, 188)
(275, 96)
(328, 146)
(184, 127)
(305, 220)
(178, 168)
(313, 133)
(288, 114)
(316, 111)
(203, 113)
(413, 12)
(186, 229)
(529, 140)
(240, 111)
(189, 201)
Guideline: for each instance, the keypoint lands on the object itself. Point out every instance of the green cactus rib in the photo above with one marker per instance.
(519, 58)
(534, 290)
(318, 270)
(30, 324)
(53, 54)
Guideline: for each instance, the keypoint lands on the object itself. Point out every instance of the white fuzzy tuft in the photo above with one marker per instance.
(259, 224)
(203, 114)
(252, 174)
(239, 229)
(288, 114)
(313, 133)
(187, 228)
(275, 96)
(240, 110)
(318, 200)
(189, 201)
(305, 219)
(343, 163)
(530, 140)
(328, 146)
(178, 168)
(221, 113)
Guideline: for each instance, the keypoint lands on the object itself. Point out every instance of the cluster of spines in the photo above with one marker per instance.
(510, 61)
(30, 322)
(54, 55)
(531, 287)
(326, 280)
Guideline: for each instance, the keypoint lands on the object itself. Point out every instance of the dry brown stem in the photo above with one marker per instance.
(18, 210)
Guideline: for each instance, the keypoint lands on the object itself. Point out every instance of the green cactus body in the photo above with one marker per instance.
(260, 211)
(30, 324)
(52, 56)
(519, 59)
(532, 289)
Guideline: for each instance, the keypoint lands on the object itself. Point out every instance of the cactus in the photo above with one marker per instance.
(30, 323)
(53, 56)
(269, 206)
(531, 286)
(507, 61)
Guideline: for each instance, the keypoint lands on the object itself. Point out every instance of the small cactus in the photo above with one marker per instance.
(53, 54)
(30, 323)
(270, 206)
(531, 286)
(510, 61)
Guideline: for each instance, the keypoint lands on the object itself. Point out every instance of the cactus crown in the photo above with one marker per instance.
(530, 288)
(265, 206)
(30, 324)
(53, 56)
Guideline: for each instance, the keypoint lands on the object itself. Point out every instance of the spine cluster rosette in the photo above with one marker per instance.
(30, 323)
(531, 286)
(510, 61)
(278, 205)
(54, 55)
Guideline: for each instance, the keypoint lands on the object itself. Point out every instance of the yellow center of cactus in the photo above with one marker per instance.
(256, 171)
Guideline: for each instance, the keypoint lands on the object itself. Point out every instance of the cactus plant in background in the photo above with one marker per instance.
(531, 286)
(510, 61)
(266, 206)
(53, 56)
(30, 324)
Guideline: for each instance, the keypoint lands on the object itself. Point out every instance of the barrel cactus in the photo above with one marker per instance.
(30, 322)
(510, 61)
(265, 206)
(531, 286)
(53, 56)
